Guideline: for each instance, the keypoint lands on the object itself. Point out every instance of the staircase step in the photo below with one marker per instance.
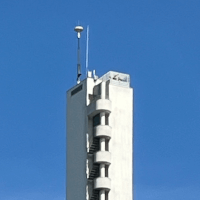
(95, 146)
(94, 173)
(95, 195)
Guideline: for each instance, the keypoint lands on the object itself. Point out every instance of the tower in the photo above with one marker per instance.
(100, 138)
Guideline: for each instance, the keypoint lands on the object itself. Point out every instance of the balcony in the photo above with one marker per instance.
(100, 105)
(102, 131)
(102, 157)
(102, 183)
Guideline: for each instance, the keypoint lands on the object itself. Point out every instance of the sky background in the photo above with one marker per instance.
(157, 42)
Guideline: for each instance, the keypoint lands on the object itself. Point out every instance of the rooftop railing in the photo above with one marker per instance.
(117, 78)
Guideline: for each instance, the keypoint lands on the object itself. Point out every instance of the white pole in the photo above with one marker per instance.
(87, 50)
(102, 195)
(102, 170)
(103, 118)
(102, 144)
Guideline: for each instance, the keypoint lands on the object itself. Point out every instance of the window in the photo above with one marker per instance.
(96, 120)
(76, 90)
(97, 90)
(106, 170)
(106, 195)
(107, 89)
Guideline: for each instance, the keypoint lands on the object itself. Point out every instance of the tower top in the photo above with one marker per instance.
(78, 29)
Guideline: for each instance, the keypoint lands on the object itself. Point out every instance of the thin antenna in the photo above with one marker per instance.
(87, 45)
(78, 29)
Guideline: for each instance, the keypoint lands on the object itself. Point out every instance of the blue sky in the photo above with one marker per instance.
(156, 42)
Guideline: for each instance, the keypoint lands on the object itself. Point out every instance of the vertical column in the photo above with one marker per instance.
(102, 170)
(103, 90)
(102, 195)
(102, 144)
(103, 118)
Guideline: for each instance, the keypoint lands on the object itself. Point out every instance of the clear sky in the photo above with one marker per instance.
(157, 42)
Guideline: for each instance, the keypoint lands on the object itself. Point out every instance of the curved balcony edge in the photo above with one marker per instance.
(99, 106)
(102, 131)
(102, 183)
(102, 157)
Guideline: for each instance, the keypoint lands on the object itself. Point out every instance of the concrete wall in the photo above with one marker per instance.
(78, 125)
(76, 144)
(121, 143)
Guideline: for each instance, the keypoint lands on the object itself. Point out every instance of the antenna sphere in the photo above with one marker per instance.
(78, 29)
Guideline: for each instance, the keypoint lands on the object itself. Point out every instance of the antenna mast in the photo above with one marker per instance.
(87, 44)
(78, 29)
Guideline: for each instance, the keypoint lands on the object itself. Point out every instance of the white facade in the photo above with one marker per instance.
(100, 139)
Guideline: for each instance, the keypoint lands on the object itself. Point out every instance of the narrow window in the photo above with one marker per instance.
(106, 171)
(107, 119)
(107, 89)
(76, 90)
(106, 195)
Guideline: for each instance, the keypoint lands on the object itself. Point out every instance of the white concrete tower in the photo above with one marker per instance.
(100, 139)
